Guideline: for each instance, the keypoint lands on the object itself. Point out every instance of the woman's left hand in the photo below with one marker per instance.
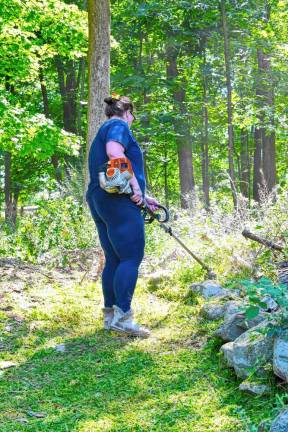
(152, 203)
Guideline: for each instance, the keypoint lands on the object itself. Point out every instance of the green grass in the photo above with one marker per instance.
(174, 381)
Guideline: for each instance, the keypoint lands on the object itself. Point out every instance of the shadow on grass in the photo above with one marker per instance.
(91, 372)
(105, 382)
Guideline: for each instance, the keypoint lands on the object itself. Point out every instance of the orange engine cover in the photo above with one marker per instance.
(122, 164)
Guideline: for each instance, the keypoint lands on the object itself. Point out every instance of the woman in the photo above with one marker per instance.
(118, 217)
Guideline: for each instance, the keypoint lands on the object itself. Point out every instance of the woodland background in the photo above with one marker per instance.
(208, 80)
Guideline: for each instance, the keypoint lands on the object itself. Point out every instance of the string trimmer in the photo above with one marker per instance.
(162, 218)
(115, 176)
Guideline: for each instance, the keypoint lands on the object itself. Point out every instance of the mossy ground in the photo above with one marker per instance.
(174, 381)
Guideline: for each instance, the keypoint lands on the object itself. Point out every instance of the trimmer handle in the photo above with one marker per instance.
(150, 216)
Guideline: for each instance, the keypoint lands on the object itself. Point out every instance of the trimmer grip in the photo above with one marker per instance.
(150, 216)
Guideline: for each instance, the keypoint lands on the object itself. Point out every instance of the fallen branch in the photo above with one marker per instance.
(265, 242)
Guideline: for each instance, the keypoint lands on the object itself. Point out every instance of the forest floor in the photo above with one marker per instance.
(60, 371)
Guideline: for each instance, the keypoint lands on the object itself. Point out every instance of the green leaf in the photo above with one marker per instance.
(251, 312)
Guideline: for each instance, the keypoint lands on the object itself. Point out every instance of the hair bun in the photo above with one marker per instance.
(108, 100)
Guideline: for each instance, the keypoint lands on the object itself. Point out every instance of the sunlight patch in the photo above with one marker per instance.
(101, 425)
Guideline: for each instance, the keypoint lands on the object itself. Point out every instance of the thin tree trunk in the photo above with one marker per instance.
(166, 187)
(81, 85)
(10, 198)
(145, 122)
(183, 138)
(269, 150)
(98, 68)
(265, 151)
(204, 140)
(68, 91)
(258, 175)
(54, 158)
(244, 168)
(44, 93)
(229, 103)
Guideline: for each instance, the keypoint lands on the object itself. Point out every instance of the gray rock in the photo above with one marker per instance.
(255, 388)
(280, 424)
(232, 307)
(252, 350)
(231, 328)
(213, 311)
(209, 289)
(247, 324)
(271, 305)
(227, 350)
(60, 348)
(280, 356)
(236, 324)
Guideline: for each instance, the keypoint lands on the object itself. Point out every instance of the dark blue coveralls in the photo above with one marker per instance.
(118, 220)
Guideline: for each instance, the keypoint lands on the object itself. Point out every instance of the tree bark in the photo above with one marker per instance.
(145, 122)
(68, 91)
(258, 174)
(205, 138)
(229, 103)
(268, 137)
(98, 68)
(261, 240)
(244, 164)
(183, 138)
(11, 199)
(81, 86)
(265, 149)
(54, 158)
(44, 93)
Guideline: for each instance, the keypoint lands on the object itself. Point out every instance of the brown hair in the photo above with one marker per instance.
(117, 105)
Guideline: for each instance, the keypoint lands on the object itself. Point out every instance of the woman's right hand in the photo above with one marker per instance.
(137, 196)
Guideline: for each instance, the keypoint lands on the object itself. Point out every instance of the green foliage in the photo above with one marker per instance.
(173, 283)
(57, 226)
(34, 32)
(256, 291)
(31, 141)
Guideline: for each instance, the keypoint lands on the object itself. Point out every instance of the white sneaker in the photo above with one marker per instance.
(123, 323)
(108, 315)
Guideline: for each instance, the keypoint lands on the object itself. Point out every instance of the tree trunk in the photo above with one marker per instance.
(166, 187)
(229, 103)
(98, 68)
(44, 93)
(145, 122)
(268, 137)
(244, 164)
(258, 174)
(68, 91)
(54, 158)
(183, 138)
(204, 139)
(11, 199)
(81, 85)
(265, 152)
